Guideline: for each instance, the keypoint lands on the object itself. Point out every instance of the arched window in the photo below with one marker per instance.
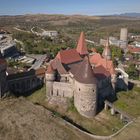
(66, 78)
(51, 92)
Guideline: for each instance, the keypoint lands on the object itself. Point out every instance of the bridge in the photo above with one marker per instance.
(114, 111)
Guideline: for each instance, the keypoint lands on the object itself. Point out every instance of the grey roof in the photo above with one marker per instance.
(84, 73)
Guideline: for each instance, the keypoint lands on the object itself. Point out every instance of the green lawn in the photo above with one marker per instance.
(102, 124)
(38, 96)
(129, 101)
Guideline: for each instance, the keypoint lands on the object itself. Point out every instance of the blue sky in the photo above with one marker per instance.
(85, 7)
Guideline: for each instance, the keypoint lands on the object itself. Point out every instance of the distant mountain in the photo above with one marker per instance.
(137, 15)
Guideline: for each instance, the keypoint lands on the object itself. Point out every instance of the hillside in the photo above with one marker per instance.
(21, 120)
(72, 25)
(130, 133)
(136, 15)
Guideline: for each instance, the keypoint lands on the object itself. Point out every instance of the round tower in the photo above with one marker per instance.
(107, 52)
(50, 78)
(85, 96)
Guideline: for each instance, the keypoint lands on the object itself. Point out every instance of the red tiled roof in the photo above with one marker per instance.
(133, 49)
(50, 70)
(97, 60)
(68, 56)
(57, 65)
(40, 72)
(108, 64)
(94, 59)
(101, 72)
(81, 46)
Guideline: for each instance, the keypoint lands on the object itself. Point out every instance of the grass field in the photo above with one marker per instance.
(129, 102)
(102, 124)
(131, 132)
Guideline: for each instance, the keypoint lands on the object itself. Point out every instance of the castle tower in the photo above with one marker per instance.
(85, 96)
(50, 77)
(3, 82)
(81, 46)
(107, 52)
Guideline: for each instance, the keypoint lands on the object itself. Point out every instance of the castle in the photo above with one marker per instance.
(88, 78)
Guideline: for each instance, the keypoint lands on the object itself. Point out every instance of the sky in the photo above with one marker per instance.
(68, 7)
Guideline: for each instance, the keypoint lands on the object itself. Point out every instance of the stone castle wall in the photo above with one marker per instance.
(60, 89)
(85, 99)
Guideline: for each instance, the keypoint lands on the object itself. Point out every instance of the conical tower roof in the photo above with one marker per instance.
(107, 52)
(81, 46)
(85, 73)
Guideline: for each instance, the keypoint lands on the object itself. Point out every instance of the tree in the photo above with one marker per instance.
(132, 72)
(116, 52)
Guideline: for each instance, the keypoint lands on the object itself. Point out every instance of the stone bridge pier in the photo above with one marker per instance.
(115, 111)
